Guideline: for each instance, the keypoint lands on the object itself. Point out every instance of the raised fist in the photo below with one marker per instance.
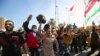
(29, 17)
(41, 19)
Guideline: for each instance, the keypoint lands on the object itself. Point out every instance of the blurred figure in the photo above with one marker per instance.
(74, 26)
(55, 44)
(11, 41)
(84, 37)
(54, 32)
(48, 40)
(68, 37)
(1, 45)
(95, 40)
(21, 30)
(32, 38)
(76, 42)
(60, 38)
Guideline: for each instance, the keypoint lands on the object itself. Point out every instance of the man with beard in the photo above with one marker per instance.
(12, 41)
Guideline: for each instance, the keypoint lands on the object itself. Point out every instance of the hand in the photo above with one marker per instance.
(29, 17)
(26, 55)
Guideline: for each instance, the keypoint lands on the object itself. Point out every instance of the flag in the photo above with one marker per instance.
(98, 0)
(92, 12)
(89, 7)
(71, 8)
(87, 2)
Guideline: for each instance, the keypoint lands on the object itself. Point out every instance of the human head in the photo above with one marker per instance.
(9, 25)
(53, 31)
(98, 29)
(47, 29)
(34, 28)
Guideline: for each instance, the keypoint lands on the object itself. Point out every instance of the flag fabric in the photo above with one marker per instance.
(71, 8)
(87, 2)
(92, 12)
(89, 7)
(98, 0)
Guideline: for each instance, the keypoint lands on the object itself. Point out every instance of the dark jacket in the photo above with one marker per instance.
(32, 40)
(94, 38)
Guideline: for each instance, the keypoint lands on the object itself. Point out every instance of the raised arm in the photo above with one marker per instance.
(40, 30)
(26, 23)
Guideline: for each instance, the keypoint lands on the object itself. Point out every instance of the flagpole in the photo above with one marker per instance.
(55, 10)
(56, 13)
(68, 16)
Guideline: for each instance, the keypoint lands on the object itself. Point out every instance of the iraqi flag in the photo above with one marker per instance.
(92, 11)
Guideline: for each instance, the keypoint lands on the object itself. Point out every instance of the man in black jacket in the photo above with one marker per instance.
(95, 40)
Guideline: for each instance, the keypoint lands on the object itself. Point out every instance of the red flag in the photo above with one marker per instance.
(71, 8)
(98, 0)
(89, 7)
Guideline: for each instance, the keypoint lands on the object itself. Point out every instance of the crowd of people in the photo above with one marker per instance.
(48, 41)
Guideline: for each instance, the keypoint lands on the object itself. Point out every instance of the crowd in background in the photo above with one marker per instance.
(49, 41)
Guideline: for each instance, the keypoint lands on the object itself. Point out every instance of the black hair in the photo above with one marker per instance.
(12, 25)
(46, 27)
(34, 26)
(9, 21)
